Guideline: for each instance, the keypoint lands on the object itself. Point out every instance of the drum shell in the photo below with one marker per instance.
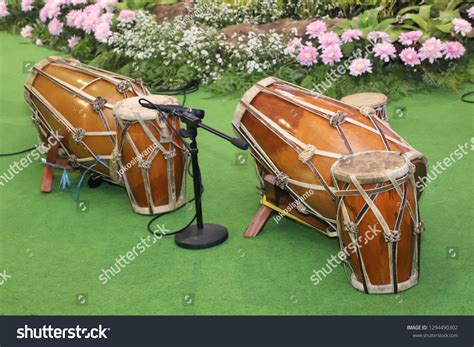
(289, 114)
(159, 186)
(372, 261)
(61, 93)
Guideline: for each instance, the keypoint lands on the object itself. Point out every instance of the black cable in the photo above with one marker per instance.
(463, 98)
(153, 232)
(192, 87)
(19, 152)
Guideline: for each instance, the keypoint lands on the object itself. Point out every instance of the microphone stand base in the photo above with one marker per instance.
(209, 236)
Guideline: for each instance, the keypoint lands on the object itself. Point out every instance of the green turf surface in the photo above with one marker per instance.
(54, 252)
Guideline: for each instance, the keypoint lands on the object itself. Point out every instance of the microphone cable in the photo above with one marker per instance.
(19, 152)
(149, 226)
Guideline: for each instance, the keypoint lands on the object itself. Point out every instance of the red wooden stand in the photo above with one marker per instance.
(280, 199)
(48, 171)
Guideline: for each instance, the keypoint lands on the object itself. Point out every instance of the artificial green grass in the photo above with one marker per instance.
(54, 252)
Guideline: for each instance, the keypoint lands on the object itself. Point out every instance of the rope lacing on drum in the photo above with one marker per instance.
(367, 111)
(351, 228)
(419, 228)
(124, 86)
(281, 180)
(170, 154)
(337, 119)
(392, 236)
(72, 160)
(144, 164)
(78, 135)
(307, 153)
(98, 104)
(35, 119)
(301, 208)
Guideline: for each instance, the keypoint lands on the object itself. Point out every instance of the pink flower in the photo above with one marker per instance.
(108, 5)
(90, 18)
(331, 55)
(51, 9)
(38, 42)
(461, 26)
(102, 32)
(73, 41)
(328, 39)
(3, 9)
(470, 12)
(26, 5)
(74, 19)
(26, 31)
(106, 17)
(385, 51)
(409, 56)
(431, 50)
(307, 56)
(351, 35)
(78, 2)
(410, 37)
(55, 27)
(453, 50)
(126, 16)
(314, 29)
(294, 45)
(375, 35)
(360, 66)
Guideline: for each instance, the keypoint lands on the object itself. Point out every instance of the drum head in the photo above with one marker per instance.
(365, 99)
(131, 110)
(371, 167)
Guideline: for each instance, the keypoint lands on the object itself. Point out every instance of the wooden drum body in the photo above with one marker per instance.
(378, 220)
(297, 135)
(152, 160)
(75, 101)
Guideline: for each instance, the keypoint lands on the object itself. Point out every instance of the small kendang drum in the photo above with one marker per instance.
(296, 136)
(152, 159)
(76, 100)
(376, 101)
(378, 220)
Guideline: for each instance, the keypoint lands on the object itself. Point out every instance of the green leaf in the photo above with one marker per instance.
(408, 9)
(445, 28)
(385, 24)
(418, 20)
(425, 12)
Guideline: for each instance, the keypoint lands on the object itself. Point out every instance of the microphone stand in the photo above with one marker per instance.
(200, 235)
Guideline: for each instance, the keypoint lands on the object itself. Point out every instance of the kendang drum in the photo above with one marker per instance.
(376, 101)
(76, 101)
(296, 136)
(152, 159)
(378, 220)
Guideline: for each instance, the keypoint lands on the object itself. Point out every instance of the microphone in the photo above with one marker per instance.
(239, 143)
(171, 108)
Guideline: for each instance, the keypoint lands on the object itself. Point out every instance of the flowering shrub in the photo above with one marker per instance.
(382, 50)
(260, 52)
(110, 35)
(220, 14)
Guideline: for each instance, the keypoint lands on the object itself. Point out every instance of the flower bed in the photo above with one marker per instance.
(422, 47)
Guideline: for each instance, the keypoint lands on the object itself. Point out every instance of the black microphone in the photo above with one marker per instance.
(239, 143)
(171, 108)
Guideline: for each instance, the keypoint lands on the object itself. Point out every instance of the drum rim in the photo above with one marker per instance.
(122, 109)
(349, 99)
(382, 177)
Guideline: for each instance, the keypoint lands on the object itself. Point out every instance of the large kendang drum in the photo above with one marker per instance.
(296, 136)
(76, 102)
